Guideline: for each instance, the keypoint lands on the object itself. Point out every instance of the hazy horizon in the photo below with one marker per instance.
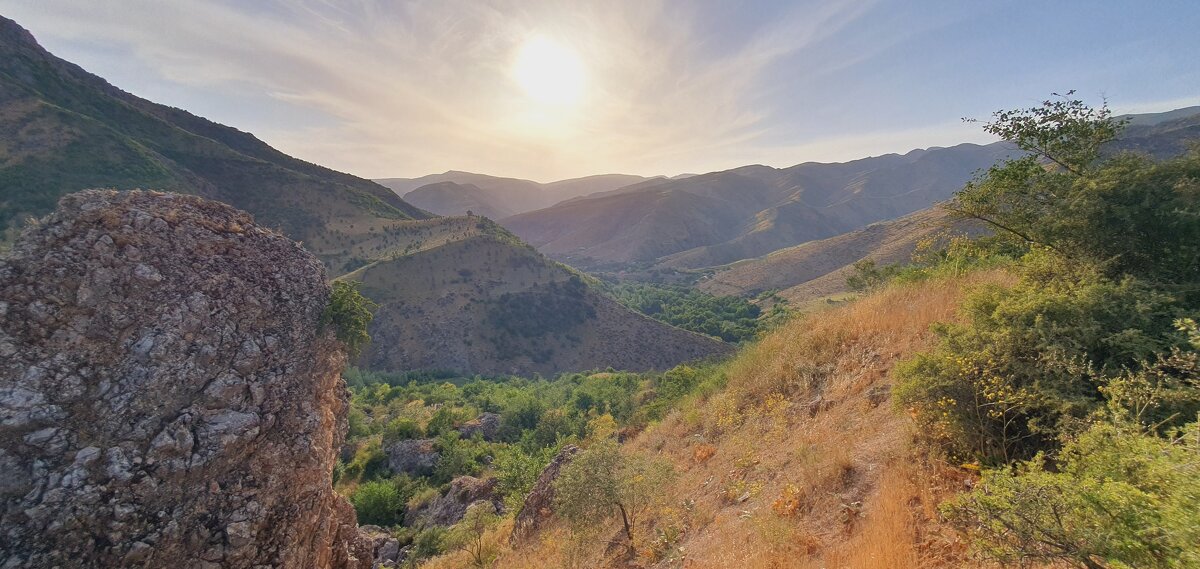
(547, 91)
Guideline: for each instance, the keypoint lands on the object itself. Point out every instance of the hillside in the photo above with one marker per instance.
(819, 268)
(63, 129)
(456, 193)
(468, 297)
(722, 217)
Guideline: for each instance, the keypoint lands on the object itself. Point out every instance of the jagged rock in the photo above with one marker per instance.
(166, 395)
(413, 456)
(538, 507)
(385, 548)
(447, 509)
(487, 425)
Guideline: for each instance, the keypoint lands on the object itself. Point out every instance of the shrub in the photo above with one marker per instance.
(350, 313)
(381, 502)
(1115, 497)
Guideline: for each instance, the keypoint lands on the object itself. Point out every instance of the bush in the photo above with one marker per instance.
(1030, 360)
(350, 313)
(1116, 497)
(381, 502)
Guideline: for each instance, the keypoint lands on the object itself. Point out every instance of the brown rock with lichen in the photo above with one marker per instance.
(166, 395)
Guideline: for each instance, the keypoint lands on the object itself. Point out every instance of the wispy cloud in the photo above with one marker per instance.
(387, 88)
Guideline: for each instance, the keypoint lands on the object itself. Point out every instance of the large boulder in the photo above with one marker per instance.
(416, 457)
(487, 426)
(538, 508)
(167, 396)
(447, 509)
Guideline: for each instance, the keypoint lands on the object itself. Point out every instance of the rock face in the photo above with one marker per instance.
(539, 504)
(412, 456)
(447, 509)
(166, 396)
(487, 425)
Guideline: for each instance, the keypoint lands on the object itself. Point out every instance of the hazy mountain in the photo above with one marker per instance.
(505, 196)
(721, 217)
(63, 129)
(467, 296)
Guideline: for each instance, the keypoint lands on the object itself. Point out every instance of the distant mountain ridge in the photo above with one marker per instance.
(455, 192)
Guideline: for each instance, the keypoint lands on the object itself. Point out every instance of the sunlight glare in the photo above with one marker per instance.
(549, 72)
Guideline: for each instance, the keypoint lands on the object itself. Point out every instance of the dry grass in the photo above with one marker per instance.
(802, 461)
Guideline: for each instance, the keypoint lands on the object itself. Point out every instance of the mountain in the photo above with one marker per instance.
(63, 129)
(722, 217)
(480, 193)
(467, 296)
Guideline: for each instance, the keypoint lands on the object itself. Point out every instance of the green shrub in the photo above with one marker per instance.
(379, 502)
(350, 313)
(1030, 360)
(1115, 497)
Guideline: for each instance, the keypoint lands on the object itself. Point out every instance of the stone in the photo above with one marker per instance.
(487, 425)
(415, 457)
(141, 421)
(538, 508)
(447, 509)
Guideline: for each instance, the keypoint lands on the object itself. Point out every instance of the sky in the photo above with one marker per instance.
(554, 89)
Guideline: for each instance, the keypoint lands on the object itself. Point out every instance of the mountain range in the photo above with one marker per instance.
(457, 193)
(444, 285)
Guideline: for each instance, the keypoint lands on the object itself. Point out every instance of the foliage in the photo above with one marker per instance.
(1115, 497)
(382, 502)
(1029, 360)
(1125, 215)
(602, 482)
(517, 471)
(469, 533)
(350, 313)
(730, 318)
(869, 276)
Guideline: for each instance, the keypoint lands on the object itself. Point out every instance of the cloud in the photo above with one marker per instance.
(423, 86)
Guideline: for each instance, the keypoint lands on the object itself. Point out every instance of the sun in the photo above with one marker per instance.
(549, 72)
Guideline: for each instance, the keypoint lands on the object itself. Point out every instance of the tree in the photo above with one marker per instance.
(469, 534)
(602, 482)
(350, 313)
(1125, 214)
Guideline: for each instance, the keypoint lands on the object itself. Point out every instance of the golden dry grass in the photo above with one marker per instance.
(801, 461)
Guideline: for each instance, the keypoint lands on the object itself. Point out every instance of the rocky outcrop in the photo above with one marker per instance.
(416, 457)
(447, 509)
(538, 507)
(487, 425)
(385, 548)
(166, 395)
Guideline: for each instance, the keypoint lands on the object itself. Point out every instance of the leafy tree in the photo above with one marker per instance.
(1115, 497)
(517, 471)
(1125, 214)
(868, 276)
(602, 482)
(350, 313)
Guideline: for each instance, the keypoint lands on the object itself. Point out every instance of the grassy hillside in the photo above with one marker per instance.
(64, 130)
(467, 296)
(819, 269)
(795, 459)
